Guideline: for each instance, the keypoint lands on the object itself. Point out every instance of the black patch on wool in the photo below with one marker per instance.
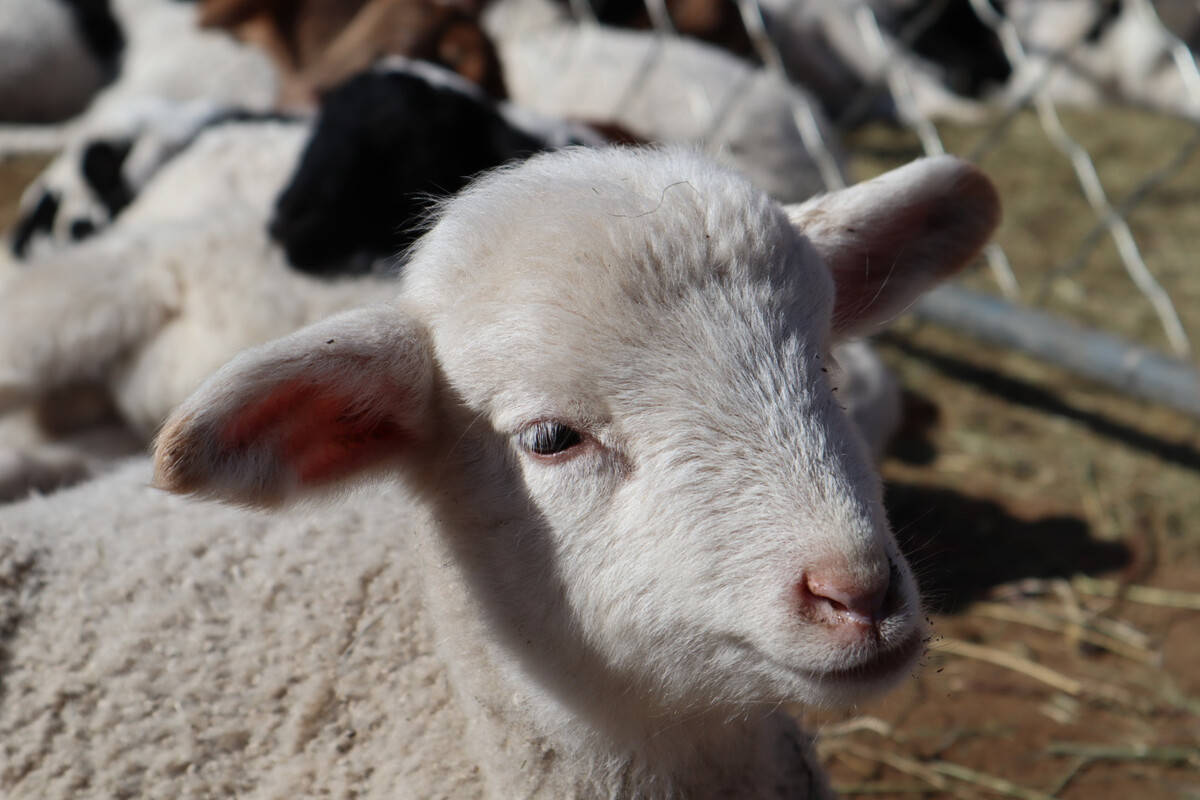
(99, 30)
(1110, 11)
(82, 229)
(101, 167)
(383, 145)
(40, 219)
(963, 45)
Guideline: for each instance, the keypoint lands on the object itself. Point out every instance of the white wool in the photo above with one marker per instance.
(824, 48)
(622, 619)
(47, 73)
(662, 89)
(168, 56)
(163, 648)
(151, 306)
(1130, 62)
(167, 59)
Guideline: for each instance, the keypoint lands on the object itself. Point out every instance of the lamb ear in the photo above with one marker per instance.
(309, 410)
(889, 239)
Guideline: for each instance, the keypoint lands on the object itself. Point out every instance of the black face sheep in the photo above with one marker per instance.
(387, 142)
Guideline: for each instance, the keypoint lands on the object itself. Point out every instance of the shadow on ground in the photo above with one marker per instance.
(960, 547)
(1015, 390)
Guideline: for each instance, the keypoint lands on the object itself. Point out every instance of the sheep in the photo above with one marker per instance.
(188, 268)
(383, 142)
(663, 89)
(1080, 52)
(173, 79)
(604, 516)
(163, 56)
(148, 308)
(84, 189)
(951, 68)
(1084, 53)
(54, 56)
(427, 130)
(318, 44)
(387, 141)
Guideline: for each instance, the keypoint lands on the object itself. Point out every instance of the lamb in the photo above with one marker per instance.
(87, 187)
(173, 79)
(604, 515)
(1101, 52)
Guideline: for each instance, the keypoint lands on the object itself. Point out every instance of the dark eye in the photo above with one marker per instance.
(547, 438)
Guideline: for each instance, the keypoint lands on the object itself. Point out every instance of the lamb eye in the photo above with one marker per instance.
(548, 437)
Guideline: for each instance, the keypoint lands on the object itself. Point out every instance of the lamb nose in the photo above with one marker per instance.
(841, 600)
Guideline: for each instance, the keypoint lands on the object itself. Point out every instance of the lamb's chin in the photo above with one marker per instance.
(870, 676)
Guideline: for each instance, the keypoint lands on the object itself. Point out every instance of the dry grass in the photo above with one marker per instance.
(1015, 481)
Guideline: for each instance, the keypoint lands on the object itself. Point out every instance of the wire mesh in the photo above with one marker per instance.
(885, 49)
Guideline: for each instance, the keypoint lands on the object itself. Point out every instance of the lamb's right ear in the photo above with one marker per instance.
(308, 410)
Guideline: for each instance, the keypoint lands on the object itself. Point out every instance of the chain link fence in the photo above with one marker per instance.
(1080, 286)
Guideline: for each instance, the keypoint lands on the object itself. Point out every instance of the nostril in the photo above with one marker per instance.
(842, 600)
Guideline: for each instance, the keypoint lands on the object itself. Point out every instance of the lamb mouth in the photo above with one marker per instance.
(882, 664)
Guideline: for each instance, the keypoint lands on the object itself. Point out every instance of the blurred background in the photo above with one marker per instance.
(1045, 479)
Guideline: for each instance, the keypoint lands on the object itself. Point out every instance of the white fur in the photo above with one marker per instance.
(166, 60)
(1129, 63)
(157, 130)
(160, 130)
(173, 78)
(47, 73)
(151, 306)
(662, 89)
(618, 621)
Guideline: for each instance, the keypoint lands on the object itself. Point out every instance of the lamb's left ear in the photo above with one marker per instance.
(889, 239)
(309, 410)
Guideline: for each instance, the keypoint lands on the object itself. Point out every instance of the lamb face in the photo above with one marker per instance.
(659, 391)
(606, 376)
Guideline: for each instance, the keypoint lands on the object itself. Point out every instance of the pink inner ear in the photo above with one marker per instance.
(319, 432)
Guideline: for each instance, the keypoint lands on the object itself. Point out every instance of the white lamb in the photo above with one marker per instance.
(617, 517)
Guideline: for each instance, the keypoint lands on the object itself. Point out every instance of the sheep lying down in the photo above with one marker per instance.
(571, 516)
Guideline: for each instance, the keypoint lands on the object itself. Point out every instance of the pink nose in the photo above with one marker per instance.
(834, 598)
